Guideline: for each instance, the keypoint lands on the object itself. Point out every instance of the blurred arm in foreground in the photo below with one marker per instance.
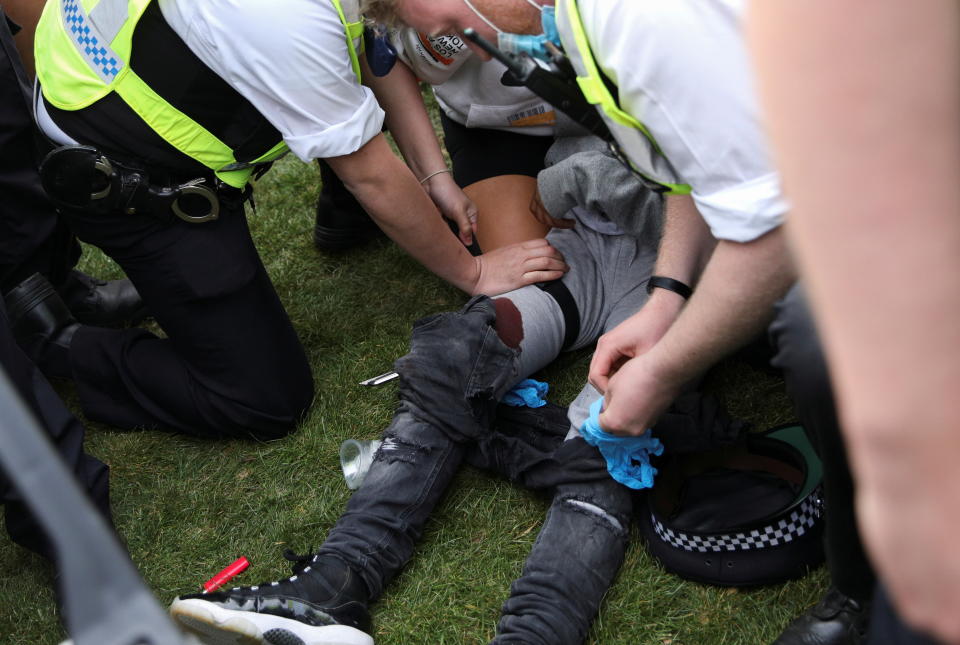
(867, 125)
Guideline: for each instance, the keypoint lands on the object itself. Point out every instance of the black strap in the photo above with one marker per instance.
(82, 177)
(661, 282)
(568, 306)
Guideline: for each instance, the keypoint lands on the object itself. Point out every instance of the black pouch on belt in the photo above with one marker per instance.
(82, 177)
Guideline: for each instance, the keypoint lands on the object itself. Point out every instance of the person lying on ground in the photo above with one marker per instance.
(459, 366)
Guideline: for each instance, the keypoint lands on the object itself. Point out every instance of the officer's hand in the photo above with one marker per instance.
(636, 395)
(633, 337)
(517, 265)
(453, 204)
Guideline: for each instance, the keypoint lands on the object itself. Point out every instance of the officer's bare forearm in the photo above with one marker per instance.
(686, 244)
(398, 93)
(733, 301)
(876, 207)
(389, 192)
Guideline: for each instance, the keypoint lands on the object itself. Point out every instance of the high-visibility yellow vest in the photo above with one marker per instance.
(636, 141)
(83, 50)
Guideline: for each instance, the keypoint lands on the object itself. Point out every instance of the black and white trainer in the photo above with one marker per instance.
(323, 603)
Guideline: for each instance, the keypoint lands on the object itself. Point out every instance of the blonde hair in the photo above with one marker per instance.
(382, 12)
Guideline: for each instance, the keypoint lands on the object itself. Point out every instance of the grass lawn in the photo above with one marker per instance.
(185, 508)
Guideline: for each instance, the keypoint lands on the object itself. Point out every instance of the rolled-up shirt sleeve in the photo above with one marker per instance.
(291, 61)
(682, 70)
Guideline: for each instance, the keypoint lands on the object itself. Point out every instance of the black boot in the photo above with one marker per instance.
(836, 620)
(323, 602)
(341, 221)
(42, 325)
(100, 302)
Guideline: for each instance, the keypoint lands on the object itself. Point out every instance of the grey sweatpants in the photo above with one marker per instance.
(607, 279)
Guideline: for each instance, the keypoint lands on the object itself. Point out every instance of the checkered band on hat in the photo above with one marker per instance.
(800, 520)
(92, 46)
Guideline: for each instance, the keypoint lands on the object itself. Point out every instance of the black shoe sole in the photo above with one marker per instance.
(219, 626)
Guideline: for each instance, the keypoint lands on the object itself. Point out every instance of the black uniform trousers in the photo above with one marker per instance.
(65, 432)
(887, 628)
(32, 238)
(231, 363)
(800, 356)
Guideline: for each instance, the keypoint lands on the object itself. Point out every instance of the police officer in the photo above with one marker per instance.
(30, 240)
(33, 239)
(165, 110)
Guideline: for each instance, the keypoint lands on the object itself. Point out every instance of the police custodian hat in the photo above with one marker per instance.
(747, 514)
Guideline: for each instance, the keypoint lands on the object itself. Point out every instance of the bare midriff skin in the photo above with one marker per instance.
(503, 207)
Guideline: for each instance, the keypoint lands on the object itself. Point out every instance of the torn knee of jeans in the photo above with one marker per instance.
(395, 449)
(601, 515)
(456, 370)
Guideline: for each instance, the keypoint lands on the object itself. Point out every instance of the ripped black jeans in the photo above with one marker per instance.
(456, 372)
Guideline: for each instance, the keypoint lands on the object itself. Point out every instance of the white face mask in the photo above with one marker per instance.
(534, 45)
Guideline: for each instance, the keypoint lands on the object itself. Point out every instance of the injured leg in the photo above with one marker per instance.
(451, 379)
(459, 366)
(530, 320)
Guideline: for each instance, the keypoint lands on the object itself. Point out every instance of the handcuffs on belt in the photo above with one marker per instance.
(82, 177)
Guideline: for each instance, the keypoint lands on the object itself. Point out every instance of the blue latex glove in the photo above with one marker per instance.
(628, 458)
(528, 393)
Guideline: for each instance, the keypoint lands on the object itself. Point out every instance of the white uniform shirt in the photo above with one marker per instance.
(469, 90)
(682, 69)
(290, 59)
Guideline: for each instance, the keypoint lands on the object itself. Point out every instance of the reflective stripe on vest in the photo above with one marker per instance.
(632, 136)
(353, 27)
(83, 50)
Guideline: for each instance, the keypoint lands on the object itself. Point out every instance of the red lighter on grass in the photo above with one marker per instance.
(237, 567)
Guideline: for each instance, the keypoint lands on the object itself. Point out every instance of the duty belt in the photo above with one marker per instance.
(82, 177)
